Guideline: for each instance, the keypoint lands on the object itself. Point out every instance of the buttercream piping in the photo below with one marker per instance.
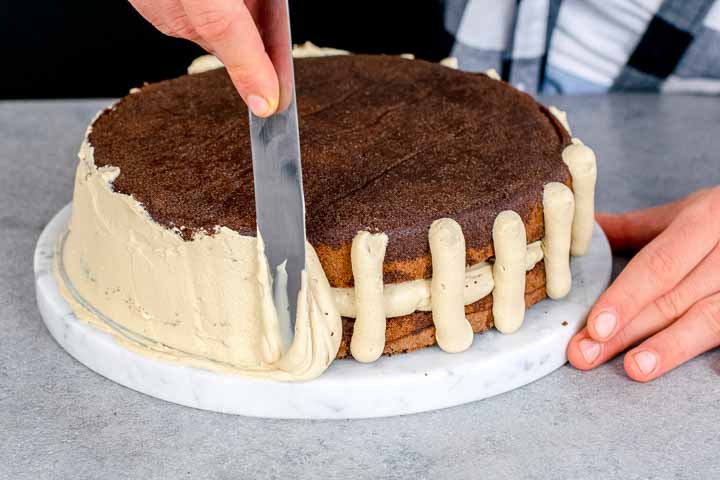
(561, 117)
(558, 209)
(580, 160)
(453, 332)
(367, 256)
(509, 241)
(450, 62)
(405, 298)
(492, 73)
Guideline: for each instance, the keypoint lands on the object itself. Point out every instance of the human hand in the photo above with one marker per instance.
(249, 37)
(668, 296)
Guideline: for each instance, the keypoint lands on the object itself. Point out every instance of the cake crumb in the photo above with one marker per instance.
(564, 323)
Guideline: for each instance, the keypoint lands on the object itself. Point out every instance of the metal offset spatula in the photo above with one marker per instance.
(279, 200)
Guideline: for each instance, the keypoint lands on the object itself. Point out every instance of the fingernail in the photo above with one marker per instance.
(646, 361)
(604, 324)
(590, 350)
(258, 105)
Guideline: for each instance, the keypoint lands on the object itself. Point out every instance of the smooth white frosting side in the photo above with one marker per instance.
(405, 298)
(581, 162)
(453, 332)
(200, 301)
(367, 256)
(558, 209)
(509, 239)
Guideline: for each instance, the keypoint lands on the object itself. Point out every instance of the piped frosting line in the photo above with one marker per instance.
(558, 210)
(509, 239)
(407, 297)
(580, 160)
(367, 256)
(447, 248)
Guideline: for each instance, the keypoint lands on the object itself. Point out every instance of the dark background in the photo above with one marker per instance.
(102, 48)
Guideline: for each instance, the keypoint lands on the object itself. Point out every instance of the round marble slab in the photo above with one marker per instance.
(428, 379)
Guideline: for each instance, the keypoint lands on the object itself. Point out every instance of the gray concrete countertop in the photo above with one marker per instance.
(60, 420)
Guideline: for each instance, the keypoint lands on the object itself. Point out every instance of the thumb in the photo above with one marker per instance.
(229, 29)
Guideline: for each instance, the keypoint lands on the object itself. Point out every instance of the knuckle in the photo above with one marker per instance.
(662, 264)
(213, 25)
(179, 27)
(670, 305)
(620, 342)
(164, 28)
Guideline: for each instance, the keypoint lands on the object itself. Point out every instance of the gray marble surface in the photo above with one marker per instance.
(60, 420)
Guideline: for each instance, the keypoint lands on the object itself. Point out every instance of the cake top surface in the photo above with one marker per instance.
(388, 144)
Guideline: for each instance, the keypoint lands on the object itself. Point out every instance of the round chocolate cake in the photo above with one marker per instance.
(388, 145)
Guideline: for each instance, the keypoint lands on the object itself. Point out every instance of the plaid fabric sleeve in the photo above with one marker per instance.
(591, 46)
(509, 36)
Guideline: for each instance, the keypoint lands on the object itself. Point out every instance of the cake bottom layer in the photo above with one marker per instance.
(415, 331)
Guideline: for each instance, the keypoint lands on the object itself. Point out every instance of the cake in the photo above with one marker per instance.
(439, 204)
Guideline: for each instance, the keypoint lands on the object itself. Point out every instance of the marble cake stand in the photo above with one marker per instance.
(428, 379)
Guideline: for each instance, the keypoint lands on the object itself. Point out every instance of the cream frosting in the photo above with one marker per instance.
(453, 332)
(309, 49)
(558, 209)
(199, 299)
(405, 298)
(208, 62)
(204, 63)
(561, 117)
(367, 256)
(581, 162)
(492, 73)
(509, 239)
(450, 62)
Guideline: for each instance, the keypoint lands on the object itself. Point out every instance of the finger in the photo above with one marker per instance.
(634, 230)
(694, 333)
(276, 37)
(169, 17)
(229, 29)
(658, 268)
(585, 353)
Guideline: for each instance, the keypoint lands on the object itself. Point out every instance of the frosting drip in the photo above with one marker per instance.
(509, 240)
(408, 297)
(558, 209)
(447, 248)
(582, 164)
(367, 255)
